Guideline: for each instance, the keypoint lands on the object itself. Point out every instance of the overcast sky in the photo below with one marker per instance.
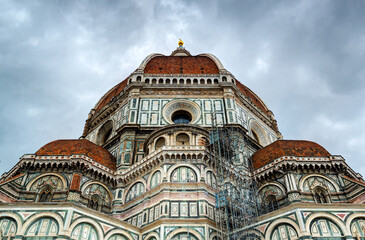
(305, 59)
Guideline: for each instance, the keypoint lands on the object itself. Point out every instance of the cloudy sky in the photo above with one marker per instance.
(305, 59)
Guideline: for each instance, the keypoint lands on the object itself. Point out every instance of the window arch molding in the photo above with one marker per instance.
(126, 192)
(211, 179)
(152, 234)
(261, 133)
(45, 194)
(195, 169)
(16, 218)
(150, 177)
(352, 218)
(37, 216)
(160, 142)
(321, 195)
(324, 215)
(184, 230)
(104, 132)
(281, 187)
(85, 185)
(93, 223)
(302, 180)
(63, 180)
(180, 135)
(278, 222)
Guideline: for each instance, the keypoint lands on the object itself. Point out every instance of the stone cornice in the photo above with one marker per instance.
(279, 164)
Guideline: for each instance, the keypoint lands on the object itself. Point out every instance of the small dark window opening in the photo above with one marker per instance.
(46, 195)
(160, 143)
(181, 117)
(271, 203)
(107, 135)
(320, 196)
(255, 137)
(182, 139)
(94, 203)
(181, 70)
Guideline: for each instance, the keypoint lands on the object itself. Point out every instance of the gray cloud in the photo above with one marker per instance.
(303, 58)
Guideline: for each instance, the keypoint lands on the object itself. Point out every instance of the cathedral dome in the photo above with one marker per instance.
(180, 62)
(280, 148)
(181, 65)
(78, 147)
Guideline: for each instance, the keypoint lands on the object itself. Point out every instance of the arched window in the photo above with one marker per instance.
(160, 143)
(322, 227)
(211, 180)
(224, 79)
(154, 81)
(139, 79)
(181, 81)
(160, 81)
(43, 227)
(358, 228)
(117, 237)
(202, 81)
(135, 191)
(155, 179)
(52, 181)
(174, 81)
(182, 139)
(188, 81)
(184, 236)
(255, 136)
(284, 231)
(84, 231)
(168, 81)
(99, 191)
(94, 202)
(46, 194)
(147, 81)
(271, 202)
(183, 174)
(195, 81)
(209, 81)
(320, 195)
(104, 132)
(8, 227)
(216, 81)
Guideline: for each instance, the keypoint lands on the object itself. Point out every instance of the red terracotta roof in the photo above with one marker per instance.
(280, 148)
(250, 94)
(114, 92)
(78, 147)
(181, 65)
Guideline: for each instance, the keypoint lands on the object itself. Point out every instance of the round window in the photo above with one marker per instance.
(181, 111)
(181, 117)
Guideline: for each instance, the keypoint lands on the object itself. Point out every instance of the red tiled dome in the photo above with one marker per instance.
(112, 93)
(78, 147)
(280, 148)
(181, 65)
(250, 94)
(159, 64)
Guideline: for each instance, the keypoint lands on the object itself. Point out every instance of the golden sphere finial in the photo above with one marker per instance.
(181, 43)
